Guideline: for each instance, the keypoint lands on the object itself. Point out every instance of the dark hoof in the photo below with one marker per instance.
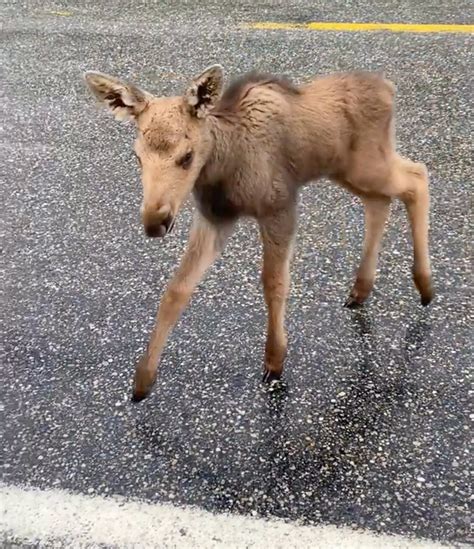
(352, 303)
(144, 380)
(273, 382)
(138, 397)
(270, 376)
(426, 299)
(140, 392)
(424, 285)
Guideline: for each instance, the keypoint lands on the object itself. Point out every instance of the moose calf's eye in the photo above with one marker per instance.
(185, 161)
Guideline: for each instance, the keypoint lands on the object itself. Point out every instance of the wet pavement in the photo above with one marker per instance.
(373, 428)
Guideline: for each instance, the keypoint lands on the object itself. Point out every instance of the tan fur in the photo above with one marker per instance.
(252, 149)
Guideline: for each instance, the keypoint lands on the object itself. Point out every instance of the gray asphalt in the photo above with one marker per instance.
(372, 430)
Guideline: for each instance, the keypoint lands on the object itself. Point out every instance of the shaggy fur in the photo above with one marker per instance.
(247, 152)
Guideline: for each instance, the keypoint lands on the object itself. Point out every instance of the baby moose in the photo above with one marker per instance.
(247, 151)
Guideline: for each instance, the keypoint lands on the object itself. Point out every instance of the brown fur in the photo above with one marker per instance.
(247, 152)
(235, 92)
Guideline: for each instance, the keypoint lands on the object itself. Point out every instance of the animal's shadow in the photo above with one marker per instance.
(294, 468)
(347, 437)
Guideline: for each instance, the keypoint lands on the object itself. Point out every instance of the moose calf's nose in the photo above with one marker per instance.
(157, 221)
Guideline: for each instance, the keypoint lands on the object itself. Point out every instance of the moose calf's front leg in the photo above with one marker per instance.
(205, 243)
(277, 235)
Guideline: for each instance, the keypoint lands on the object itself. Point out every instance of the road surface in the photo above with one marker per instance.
(372, 431)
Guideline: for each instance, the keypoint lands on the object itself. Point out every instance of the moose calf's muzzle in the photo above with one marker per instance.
(157, 222)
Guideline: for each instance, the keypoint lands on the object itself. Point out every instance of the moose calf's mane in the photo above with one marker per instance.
(240, 87)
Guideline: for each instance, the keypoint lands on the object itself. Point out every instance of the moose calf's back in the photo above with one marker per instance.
(340, 121)
(271, 137)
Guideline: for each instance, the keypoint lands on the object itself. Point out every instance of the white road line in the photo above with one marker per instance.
(59, 517)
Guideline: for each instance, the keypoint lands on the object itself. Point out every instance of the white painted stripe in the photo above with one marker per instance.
(75, 520)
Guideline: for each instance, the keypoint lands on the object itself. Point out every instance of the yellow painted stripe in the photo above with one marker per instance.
(363, 27)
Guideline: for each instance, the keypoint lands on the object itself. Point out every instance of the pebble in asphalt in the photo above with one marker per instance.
(373, 428)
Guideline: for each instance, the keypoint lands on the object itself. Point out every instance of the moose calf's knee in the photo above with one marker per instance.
(176, 295)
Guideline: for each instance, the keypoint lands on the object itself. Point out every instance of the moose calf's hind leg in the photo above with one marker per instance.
(417, 202)
(277, 235)
(376, 214)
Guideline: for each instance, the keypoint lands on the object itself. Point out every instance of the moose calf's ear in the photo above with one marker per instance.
(123, 100)
(205, 91)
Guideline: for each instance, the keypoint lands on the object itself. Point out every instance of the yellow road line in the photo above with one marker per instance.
(363, 27)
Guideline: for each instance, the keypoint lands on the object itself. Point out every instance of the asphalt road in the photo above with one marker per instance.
(373, 428)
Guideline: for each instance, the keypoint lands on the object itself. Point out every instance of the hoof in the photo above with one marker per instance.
(140, 392)
(270, 376)
(144, 380)
(273, 382)
(427, 299)
(424, 285)
(353, 303)
(138, 397)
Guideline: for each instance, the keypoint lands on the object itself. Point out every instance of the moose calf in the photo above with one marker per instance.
(246, 151)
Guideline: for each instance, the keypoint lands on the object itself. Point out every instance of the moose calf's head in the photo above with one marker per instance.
(173, 139)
